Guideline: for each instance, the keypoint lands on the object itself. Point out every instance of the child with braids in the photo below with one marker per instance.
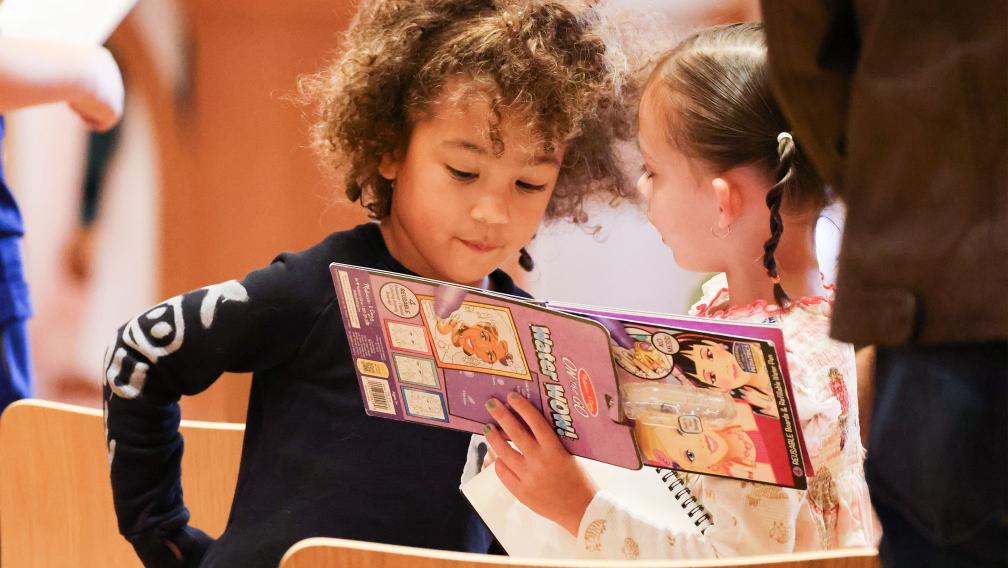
(461, 125)
(730, 191)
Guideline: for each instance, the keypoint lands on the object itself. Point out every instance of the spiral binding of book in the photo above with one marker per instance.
(676, 483)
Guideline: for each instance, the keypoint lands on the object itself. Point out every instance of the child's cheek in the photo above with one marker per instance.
(662, 220)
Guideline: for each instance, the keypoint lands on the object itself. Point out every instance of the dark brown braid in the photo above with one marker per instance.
(775, 196)
(525, 260)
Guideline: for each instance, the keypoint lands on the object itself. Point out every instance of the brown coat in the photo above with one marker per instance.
(903, 107)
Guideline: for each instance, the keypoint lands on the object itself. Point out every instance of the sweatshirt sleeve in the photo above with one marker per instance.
(180, 347)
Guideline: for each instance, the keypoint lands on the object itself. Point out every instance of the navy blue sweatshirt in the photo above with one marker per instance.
(313, 463)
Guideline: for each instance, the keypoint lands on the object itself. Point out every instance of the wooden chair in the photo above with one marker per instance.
(339, 553)
(55, 497)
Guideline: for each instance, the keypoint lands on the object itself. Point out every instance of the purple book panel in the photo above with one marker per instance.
(704, 396)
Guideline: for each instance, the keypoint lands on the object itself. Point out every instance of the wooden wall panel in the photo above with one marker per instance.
(249, 185)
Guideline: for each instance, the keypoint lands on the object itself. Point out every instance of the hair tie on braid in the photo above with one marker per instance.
(785, 136)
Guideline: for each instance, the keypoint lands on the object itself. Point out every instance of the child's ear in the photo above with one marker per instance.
(729, 202)
(389, 167)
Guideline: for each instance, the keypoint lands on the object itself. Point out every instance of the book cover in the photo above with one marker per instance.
(700, 396)
(755, 380)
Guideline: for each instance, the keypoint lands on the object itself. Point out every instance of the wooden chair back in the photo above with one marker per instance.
(340, 553)
(55, 496)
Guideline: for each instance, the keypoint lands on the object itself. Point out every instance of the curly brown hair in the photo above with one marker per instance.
(544, 62)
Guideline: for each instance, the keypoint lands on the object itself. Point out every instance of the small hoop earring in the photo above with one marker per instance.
(720, 235)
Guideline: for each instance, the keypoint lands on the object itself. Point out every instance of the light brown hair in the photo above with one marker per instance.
(718, 107)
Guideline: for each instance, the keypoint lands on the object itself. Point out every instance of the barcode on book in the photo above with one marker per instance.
(378, 395)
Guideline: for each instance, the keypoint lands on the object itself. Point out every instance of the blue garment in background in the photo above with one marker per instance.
(15, 306)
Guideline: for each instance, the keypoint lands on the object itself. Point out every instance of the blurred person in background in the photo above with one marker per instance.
(904, 109)
(33, 73)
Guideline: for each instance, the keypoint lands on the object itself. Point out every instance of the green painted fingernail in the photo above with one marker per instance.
(486, 428)
(491, 404)
(513, 395)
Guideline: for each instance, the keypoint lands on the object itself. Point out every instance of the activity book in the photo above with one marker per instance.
(697, 395)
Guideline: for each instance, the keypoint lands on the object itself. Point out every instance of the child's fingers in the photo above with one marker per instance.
(502, 448)
(508, 477)
(489, 458)
(514, 429)
(541, 429)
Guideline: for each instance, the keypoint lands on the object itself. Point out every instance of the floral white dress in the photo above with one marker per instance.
(751, 518)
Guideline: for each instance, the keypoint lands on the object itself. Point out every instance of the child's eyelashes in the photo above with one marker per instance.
(461, 175)
(465, 176)
(530, 187)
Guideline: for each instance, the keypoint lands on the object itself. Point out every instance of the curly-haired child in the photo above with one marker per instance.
(726, 183)
(461, 125)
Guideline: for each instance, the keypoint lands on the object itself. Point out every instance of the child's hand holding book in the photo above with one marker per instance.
(540, 473)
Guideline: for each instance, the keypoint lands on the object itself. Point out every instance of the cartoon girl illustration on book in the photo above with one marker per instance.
(735, 367)
(480, 340)
(735, 448)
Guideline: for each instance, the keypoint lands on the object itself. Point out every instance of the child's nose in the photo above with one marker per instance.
(492, 208)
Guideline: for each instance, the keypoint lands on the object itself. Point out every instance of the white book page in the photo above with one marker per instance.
(524, 533)
(87, 22)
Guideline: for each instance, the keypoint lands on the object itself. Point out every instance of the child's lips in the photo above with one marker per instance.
(480, 246)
